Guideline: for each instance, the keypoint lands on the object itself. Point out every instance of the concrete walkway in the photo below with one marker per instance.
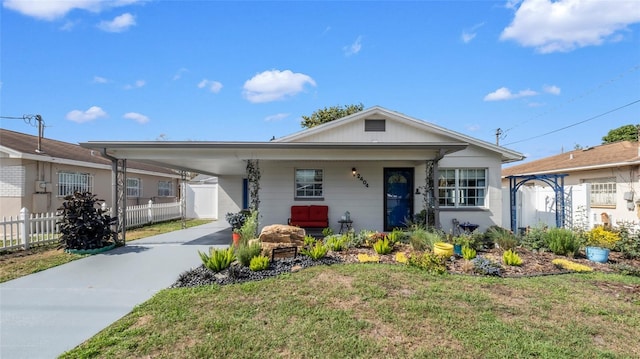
(45, 314)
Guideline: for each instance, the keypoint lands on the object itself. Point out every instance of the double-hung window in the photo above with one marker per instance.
(603, 191)
(71, 182)
(309, 183)
(462, 187)
(134, 187)
(165, 189)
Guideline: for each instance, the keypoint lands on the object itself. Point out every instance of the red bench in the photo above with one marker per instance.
(313, 216)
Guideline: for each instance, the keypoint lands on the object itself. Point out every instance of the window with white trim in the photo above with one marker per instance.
(71, 182)
(309, 183)
(603, 191)
(165, 188)
(134, 187)
(462, 187)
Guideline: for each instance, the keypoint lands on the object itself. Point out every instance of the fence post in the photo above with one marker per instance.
(25, 228)
(150, 212)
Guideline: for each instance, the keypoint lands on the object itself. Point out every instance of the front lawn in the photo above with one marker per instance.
(381, 310)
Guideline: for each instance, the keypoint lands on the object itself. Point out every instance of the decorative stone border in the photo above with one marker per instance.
(91, 251)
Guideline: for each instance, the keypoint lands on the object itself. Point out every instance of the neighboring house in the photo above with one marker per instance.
(377, 164)
(611, 171)
(39, 179)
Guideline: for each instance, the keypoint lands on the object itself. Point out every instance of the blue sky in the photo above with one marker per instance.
(234, 71)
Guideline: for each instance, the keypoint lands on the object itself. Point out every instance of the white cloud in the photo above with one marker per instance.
(138, 117)
(118, 24)
(137, 84)
(552, 89)
(275, 85)
(470, 34)
(100, 80)
(179, 74)
(213, 86)
(504, 93)
(353, 48)
(276, 117)
(565, 25)
(473, 128)
(51, 10)
(93, 113)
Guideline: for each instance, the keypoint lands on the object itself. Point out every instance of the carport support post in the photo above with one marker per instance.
(118, 197)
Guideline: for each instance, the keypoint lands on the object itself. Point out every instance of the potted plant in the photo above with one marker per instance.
(599, 243)
(459, 241)
(236, 220)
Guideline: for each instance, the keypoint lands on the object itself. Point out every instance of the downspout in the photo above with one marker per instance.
(114, 198)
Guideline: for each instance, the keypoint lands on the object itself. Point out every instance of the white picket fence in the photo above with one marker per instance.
(29, 230)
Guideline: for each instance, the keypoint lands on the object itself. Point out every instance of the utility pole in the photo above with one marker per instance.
(498, 134)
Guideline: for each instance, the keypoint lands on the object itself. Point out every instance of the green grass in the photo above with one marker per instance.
(19, 263)
(383, 311)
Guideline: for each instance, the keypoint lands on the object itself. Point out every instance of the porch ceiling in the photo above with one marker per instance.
(229, 158)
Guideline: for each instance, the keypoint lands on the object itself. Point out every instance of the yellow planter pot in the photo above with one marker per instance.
(443, 249)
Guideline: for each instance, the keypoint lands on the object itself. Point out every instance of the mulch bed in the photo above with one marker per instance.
(533, 263)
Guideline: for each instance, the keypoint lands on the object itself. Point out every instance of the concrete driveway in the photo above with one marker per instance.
(47, 313)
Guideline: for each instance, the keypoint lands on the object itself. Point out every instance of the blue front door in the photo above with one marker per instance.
(398, 202)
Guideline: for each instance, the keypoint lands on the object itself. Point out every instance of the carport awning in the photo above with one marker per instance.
(229, 158)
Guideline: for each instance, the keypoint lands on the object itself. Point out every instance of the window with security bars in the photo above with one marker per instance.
(71, 182)
(462, 187)
(134, 187)
(165, 189)
(603, 191)
(309, 183)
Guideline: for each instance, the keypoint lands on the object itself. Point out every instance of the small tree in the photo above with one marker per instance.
(329, 114)
(83, 224)
(622, 133)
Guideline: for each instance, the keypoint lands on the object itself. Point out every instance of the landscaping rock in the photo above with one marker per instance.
(279, 235)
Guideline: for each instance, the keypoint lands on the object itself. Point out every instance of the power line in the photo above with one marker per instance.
(584, 94)
(577, 123)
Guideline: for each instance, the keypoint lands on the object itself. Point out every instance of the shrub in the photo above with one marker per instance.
(326, 232)
(365, 258)
(401, 258)
(218, 259)
(249, 227)
(259, 263)
(246, 252)
(485, 266)
(468, 253)
(429, 262)
(600, 237)
(511, 258)
(629, 243)
(534, 239)
(502, 237)
(562, 241)
(382, 246)
(572, 266)
(83, 224)
(336, 242)
(310, 241)
(422, 239)
(316, 252)
(396, 236)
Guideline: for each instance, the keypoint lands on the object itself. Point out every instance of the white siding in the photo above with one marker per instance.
(229, 195)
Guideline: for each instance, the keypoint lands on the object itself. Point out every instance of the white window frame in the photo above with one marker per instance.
(309, 183)
(603, 191)
(463, 187)
(71, 182)
(134, 187)
(165, 189)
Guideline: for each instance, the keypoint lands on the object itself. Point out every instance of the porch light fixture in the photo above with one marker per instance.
(353, 171)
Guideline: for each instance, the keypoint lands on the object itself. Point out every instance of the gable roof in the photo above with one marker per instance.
(21, 145)
(507, 154)
(623, 153)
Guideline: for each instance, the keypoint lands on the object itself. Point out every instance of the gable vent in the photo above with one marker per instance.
(374, 125)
